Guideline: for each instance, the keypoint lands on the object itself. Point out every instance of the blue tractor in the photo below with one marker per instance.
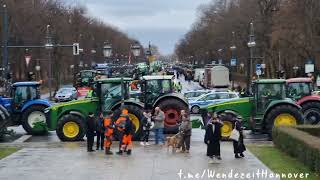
(25, 108)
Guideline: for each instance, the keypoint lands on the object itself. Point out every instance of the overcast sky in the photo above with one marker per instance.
(163, 22)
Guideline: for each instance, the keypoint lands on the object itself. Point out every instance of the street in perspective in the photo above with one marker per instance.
(152, 90)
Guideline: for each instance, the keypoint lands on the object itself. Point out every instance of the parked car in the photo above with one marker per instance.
(66, 94)
(209, 99)
(194, 94)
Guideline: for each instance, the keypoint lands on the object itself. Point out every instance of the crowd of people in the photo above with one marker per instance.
(103, 127)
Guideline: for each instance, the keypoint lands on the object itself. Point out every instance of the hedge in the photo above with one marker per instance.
(299, 144)
(311, 129)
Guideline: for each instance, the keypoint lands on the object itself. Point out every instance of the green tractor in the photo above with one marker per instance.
(268, 107)
(68, 119)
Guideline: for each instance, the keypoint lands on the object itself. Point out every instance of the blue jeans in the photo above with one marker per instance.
(159, 135)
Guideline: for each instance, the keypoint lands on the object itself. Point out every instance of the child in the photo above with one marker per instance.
(212, 139)
(146, 125)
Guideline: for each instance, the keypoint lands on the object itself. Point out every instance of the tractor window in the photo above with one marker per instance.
(268, 93)
(25, 93)
(110, 90)
(299, 90)
(166, 86)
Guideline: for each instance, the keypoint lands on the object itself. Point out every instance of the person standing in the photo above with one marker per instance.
(129, 131)
(179, 87)
(146, 125)
(185, 130)
(238, 146)
(108, 125)
(121, 124)
(90, 121)
(158, 118)
(212, 139)
(100, 132)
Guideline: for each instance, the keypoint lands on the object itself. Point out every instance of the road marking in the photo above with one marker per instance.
(22, 139)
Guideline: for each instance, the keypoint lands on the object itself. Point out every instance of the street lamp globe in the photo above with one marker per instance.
(38, 68)
(135, 49)
(107, 50)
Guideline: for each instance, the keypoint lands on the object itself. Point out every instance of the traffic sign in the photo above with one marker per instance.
(258, 67)
(259, 72)
(233, 62)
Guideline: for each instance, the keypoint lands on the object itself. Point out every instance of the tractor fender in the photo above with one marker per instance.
(280, 102)
(128, 102)
(77, 113)
(308, 99)
(172, 95)
(36, 102)
(230, 112)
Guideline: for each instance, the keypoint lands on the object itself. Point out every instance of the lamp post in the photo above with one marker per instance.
(251, 45)
(233, 61)
(295, 70)
(49, 47)
(107, 50)
(220, 56)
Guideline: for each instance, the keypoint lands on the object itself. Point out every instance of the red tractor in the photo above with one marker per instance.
(300, 89)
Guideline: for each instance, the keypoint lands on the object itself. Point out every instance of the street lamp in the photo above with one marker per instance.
(107, 50)
(135, 49)
(251, 45)
(295, 70)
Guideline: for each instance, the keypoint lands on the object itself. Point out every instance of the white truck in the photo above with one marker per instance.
(198, 74)
(216, 77)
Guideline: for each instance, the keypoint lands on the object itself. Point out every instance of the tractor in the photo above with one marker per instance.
(300, 90)
(85, 81)
(24, 108)
(268, 107)
(68, 119)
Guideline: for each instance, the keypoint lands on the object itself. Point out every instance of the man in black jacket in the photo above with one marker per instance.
(90, 131)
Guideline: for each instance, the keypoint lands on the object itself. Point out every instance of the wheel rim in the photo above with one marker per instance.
(172, 116)
(71, 129)
(285, 120)
(195, 109)
(312, 116)
(226, 129)
(135, 120)
(36, 117)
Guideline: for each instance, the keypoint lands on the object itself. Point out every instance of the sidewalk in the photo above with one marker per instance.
(71, 161)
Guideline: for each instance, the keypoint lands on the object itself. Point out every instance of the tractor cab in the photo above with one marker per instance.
(153, 87)
(112, 90)
(23, 92)
(267, 91)
(85, 78)
(298, 88)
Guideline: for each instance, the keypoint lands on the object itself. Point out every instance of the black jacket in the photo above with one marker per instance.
(90, 121)
(213, 136)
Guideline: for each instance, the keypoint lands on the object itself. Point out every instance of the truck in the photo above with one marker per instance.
(198, 74)
(25, 108)
(216, 76)
(268, 107)
(68, 119)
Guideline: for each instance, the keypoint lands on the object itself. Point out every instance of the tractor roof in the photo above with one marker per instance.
(157, 77)
(270, 81)
(26, 83)
(106, 80)
(299, 80)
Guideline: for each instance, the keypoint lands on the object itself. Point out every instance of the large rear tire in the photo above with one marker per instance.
(311, 112)
(4, 121)
(172, 109)
(34, 120)
(283, 115)
(136, 115)
(71, 128)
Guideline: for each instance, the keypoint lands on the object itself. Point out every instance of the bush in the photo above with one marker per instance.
(311, 129)
(298, 143)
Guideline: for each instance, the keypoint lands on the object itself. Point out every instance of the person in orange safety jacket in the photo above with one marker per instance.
(109, 126)
(129, 131)
(120, 126)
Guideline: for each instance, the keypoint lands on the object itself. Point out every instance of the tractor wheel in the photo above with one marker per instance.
(34, 120)
(283, 115)
(311, 112)
(171, 109)
(71, 128)
(136, 115)
(228, 124)
(4, 121)
(195, 109)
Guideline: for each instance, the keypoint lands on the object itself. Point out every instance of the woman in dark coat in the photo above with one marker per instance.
(238, 146)
(212, 138)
